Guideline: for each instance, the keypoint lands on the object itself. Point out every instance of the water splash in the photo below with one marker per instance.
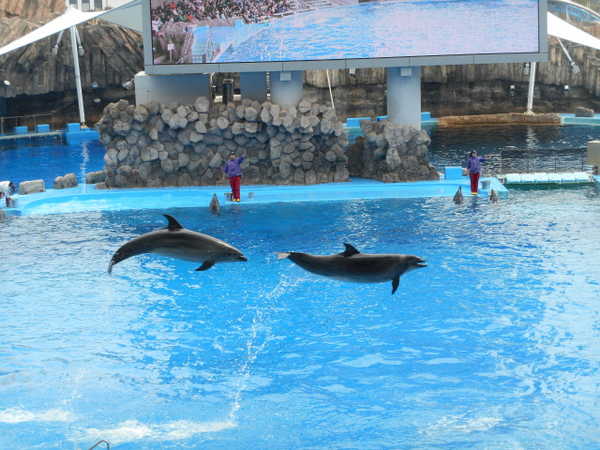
(85, 153)
(253, 348)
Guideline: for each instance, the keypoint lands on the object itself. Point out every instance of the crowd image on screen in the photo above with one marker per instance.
(251, 11)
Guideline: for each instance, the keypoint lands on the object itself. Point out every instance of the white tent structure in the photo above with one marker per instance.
(130, 15)
(561, 29)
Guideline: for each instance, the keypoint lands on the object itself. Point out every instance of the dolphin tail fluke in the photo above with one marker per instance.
(282, 255)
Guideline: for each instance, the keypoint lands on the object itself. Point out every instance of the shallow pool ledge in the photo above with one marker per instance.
(75, 200)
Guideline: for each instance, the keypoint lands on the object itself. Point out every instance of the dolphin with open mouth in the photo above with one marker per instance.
(353, 266)
(178, 242)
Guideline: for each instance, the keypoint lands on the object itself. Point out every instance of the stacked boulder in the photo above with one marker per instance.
(180, 145)
(66, 181)
(392, 153)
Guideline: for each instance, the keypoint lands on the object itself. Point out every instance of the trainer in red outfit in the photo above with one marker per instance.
(233, 170)
(474, 167)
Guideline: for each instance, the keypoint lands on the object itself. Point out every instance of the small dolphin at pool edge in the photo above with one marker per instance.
(493, 196)
(178, 242)
(458, 197)
(353, 266)
(215, 206)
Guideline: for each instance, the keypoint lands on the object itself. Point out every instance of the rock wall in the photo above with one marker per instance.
(34, 10)
(180, 145)
(391, 153)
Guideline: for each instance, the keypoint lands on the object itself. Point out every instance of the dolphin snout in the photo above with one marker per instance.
(420, 263)
(242, 258)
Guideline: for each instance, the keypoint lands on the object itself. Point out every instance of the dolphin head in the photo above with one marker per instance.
(230, 254)
(126, 251)
(411, 262)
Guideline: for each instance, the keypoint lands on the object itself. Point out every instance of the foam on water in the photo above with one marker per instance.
(133, 430)
(20, 415)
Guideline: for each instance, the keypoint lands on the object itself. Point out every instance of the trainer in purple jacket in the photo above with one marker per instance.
(474, 167)
(233, 170)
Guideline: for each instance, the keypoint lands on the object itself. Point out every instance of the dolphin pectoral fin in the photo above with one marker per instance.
(207, 265)
(395, 283)
(173, 224)
(350, 250)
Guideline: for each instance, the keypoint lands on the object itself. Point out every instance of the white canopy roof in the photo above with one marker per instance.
(128, 15)
(564, 30)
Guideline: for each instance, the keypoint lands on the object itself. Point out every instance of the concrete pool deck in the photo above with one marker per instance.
(76, 200)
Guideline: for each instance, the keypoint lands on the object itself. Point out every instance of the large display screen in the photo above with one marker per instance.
(260, 31)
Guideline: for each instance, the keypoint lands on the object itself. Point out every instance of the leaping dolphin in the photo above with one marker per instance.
(351, 265)
(178, 242)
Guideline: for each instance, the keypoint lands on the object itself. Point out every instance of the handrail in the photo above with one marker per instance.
(100, 442)
(18, 120)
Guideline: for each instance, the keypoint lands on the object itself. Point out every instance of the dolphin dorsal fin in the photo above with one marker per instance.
(173, 224)
(350, 250)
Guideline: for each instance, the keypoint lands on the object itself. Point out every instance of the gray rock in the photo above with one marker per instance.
(275, 151)
(310, 177)
(141, 113)
(31, 187)
(222, 123)
(184, 159)
(250, 113)
(216, 161)
(95, 177)
(341, 173)
(330, 156)
(308, 156)
(149, 154)
(285, 170)
(299, 176)
(304, 106)
(202, 105)
(200, 127)
(167, 165)
(251, 127)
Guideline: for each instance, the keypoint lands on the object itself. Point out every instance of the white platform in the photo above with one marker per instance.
(547, 177)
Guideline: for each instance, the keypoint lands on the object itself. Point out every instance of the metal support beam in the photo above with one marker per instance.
(77, 75)
(530, 91)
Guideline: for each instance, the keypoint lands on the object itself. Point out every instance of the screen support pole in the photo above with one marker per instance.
(531, 89)
(253, 85)
(404, 95)
(287, 87)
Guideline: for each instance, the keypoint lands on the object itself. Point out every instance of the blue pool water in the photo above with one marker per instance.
(395, 28)
(494, 345)
(49, 161)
